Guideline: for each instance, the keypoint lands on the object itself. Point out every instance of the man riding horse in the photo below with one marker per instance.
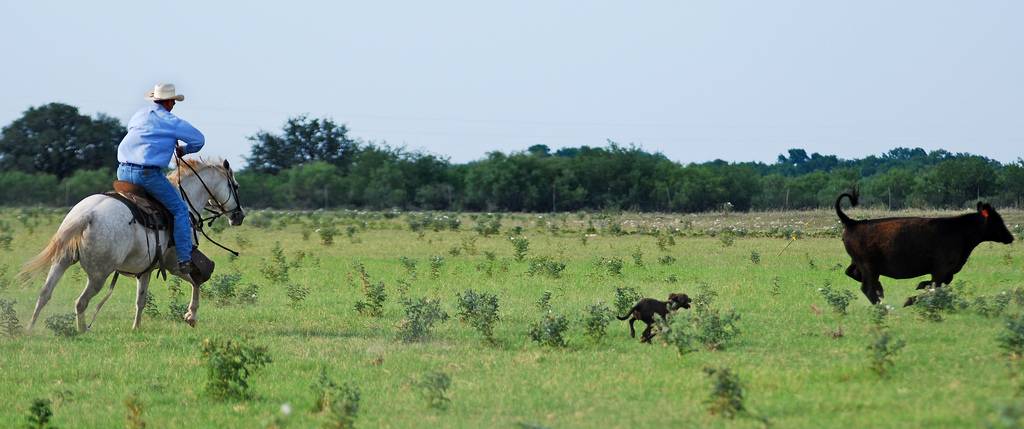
(152, 139)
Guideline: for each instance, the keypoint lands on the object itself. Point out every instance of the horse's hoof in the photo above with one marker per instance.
(191, 323)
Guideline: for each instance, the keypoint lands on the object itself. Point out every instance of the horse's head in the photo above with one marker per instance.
(217, 184)
(235, 215)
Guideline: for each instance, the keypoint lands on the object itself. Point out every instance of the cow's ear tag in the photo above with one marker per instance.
(984, 213)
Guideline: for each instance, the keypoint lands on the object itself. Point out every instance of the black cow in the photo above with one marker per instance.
(908, 247)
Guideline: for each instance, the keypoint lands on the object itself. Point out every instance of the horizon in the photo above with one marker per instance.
(742, 82)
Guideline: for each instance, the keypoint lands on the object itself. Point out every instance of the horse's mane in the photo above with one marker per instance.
(197, 164)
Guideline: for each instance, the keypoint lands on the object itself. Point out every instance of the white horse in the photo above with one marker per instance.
(99, 232)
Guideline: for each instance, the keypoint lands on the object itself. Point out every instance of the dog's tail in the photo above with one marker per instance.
(628, 313)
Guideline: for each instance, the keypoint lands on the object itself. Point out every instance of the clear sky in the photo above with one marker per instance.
(694, 80)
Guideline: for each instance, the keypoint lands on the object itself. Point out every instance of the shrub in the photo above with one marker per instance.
(135, 409)
(480, 310)
(638, 257)
(547, 266)
(662, 241)
(930, 304)
(249, 295)
(726, 398)
(229, 366)
(677, 332)
(775, 288)
(614, 266)
(596, 320)
(755, 257)
(339, 401)
(176, 310)
(373, 306)
(276, 270)
(702, 324)
(222, 287)
(436, 263)
(544, 303)
(151, 309)
(9, 323)
(409, 265)
(625, 298)
(548, 331)
(883, 349)
(666, 260)
(469, 245)
(174, 287)
(1011, 339)
(485, 228)
(991, 307)
(4, 281)
(63, 325)
(296, 293)
(488, 266)
(433, 387)
(520, 247)
(327, 231)
(39, 415)
(839, 300)
(422, 315)
(878, 314)
(715, 328)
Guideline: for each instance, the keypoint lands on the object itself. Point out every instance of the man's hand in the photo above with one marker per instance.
(180, 150)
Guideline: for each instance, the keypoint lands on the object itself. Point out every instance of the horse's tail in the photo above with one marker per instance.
(64, 246)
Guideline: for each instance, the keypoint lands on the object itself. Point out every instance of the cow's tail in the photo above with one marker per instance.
(629, 313)
(64, 246)
(853, 195)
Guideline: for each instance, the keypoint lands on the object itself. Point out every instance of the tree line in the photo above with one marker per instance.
(55, 156)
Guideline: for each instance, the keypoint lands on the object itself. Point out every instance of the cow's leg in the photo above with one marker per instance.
(853, 273)
(936, 282)
(872, 288)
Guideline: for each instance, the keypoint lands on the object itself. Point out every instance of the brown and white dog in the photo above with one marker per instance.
(646, 308)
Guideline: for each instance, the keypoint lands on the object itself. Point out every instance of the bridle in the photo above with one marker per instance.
(197, 219)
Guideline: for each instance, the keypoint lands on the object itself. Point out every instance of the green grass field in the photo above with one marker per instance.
(794, 370)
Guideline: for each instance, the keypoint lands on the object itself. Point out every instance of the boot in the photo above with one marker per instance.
(186, 267)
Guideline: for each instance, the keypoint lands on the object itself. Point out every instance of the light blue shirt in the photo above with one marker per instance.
(153, 134)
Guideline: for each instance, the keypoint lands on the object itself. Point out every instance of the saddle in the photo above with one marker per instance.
(147, 211)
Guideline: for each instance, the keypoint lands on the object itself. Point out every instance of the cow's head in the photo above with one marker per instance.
(995, 229)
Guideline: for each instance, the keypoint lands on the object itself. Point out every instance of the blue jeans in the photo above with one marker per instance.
(154, 182)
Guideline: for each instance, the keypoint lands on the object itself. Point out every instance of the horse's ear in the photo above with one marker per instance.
(226, 165)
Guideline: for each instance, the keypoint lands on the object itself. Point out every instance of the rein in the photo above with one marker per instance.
(197, 221)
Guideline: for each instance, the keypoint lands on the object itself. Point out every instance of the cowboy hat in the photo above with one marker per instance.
(163, 91)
